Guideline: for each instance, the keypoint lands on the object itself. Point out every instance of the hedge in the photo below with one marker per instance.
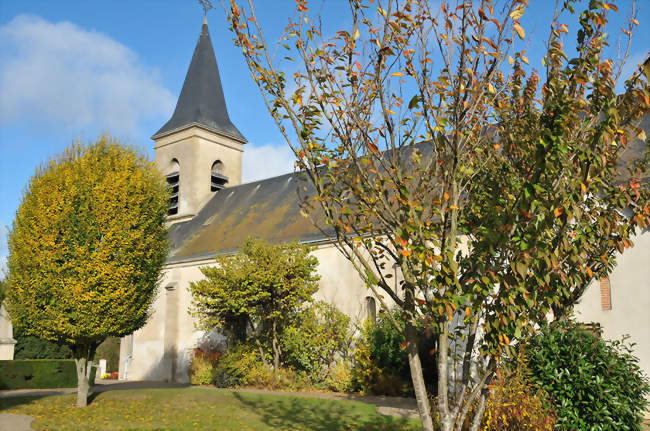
(39, 374)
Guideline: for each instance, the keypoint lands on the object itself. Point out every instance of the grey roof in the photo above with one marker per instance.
(201, 102)
(267, 209)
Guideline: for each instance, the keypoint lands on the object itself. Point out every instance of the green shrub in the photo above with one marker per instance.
(30, 347)
(200, 371)
(380, 362)
(203, 364)
(594, 384)
(39, 374)
(319, 335)
(340, 377)
(241, 365)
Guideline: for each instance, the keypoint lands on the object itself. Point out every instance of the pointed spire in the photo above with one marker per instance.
(201, 102)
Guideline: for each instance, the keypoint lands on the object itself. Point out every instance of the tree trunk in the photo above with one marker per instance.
(446, 421)
(276, 349)
(262, 354)
(478, 416)
(417, 377)
(82, 382)
(83, 361)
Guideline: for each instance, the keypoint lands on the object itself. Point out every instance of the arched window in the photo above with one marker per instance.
(218, 180)
(173, 180)
(371, 309)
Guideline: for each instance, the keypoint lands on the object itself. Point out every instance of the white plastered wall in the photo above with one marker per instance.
(630, 300)
(152, 359)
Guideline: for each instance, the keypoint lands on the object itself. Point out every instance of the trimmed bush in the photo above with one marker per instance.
(594, 384)
(30, 347)
(39, 374)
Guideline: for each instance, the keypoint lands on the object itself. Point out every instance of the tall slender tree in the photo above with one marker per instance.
(431, 144)
(86, 249)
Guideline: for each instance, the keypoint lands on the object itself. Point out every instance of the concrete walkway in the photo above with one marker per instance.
(15, 422)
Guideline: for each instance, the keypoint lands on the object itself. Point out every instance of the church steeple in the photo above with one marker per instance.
(201, 102)
(199, 150)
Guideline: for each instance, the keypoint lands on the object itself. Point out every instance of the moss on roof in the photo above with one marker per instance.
(267, 209)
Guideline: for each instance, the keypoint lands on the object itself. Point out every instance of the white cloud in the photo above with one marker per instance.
(266, 161)
(60, 74)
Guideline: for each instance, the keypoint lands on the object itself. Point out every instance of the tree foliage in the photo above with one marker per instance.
(257, 291)
(3, 290)
(86, 248)
(432, 144)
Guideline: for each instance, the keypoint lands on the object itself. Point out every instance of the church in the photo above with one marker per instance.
(199, 150)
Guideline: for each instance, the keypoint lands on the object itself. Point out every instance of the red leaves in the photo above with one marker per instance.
(301, 5)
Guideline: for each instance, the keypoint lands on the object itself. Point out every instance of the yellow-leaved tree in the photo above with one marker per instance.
(86, 249)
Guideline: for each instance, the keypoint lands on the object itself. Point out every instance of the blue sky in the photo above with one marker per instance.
(72, 69)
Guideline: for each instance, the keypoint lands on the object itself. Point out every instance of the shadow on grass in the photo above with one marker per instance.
(10, 402)
(321, 415)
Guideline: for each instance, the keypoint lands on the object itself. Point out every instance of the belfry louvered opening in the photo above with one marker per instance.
(218, 180)
(173, 181)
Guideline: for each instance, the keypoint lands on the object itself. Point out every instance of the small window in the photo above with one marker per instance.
(371, 309)
(605, 294)
(173, 181)
(218, 180)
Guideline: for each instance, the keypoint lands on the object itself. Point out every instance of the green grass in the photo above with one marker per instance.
(201, 409)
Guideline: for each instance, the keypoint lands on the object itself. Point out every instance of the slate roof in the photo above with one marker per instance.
(201, 102)
(266, 209)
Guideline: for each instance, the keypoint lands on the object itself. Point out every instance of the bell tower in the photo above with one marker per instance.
(199, 150)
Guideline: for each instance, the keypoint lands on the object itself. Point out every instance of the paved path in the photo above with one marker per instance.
(15, 422)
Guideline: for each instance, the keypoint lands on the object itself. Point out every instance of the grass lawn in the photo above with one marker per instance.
(201, 409)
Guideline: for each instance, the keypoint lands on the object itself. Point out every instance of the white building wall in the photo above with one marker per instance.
(630, 300)
(340, 285)
(152, 359)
